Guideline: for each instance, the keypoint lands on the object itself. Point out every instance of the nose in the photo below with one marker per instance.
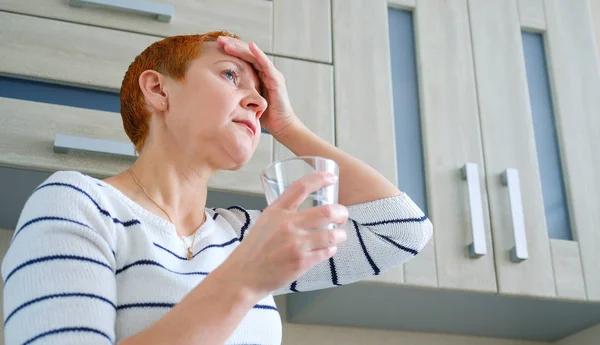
(255, 102)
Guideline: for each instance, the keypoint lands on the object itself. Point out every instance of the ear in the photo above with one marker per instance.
(152, 85)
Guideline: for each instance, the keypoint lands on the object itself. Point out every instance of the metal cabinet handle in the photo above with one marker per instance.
(64, 143)
(163, 12)
(478, 247)
(510, 178)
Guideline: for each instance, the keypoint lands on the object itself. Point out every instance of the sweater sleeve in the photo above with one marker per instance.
(381, 235)
(58, 272)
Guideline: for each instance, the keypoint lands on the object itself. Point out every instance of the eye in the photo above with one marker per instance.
(231, 74)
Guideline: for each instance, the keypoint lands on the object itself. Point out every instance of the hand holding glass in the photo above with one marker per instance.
(281, 174)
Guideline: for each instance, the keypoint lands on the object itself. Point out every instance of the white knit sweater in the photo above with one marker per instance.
(87, 265)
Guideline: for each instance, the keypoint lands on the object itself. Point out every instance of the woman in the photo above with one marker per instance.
(127, 259)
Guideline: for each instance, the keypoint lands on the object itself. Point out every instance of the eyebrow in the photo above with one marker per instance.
(243, 70)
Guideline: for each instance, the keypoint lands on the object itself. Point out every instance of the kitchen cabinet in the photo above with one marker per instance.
(89, 57)
(251, 19)
(485, 132)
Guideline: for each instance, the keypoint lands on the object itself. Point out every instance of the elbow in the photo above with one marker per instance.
(423, 234)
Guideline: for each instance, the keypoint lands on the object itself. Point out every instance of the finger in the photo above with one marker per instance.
(294, 195)
(324, 239)
(261, 57)
(238, 49)
(320, 216)
(317, 256)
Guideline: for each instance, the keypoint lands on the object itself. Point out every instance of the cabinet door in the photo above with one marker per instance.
(310, 87)
(509, 143)
(251, 19)
(302, 29)
(452, 138)
(575, 77)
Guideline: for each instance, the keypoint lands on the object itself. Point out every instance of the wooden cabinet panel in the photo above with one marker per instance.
(575, 77)
(251, 19)
(28, 129)
(67, 53)
(364, 120)
(452, 138)
(531, 14)
(509, 142)
(302, 29)
(310, 87)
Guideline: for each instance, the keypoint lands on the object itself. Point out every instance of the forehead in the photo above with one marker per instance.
(211, 54)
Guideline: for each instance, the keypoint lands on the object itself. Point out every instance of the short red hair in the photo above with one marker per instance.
(171, 57)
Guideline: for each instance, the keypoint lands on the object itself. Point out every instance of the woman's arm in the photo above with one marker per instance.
(359, 182)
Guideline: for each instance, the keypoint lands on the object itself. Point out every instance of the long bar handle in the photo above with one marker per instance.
(163, 12)
(64, 143)
(478, 247)
(510, 178)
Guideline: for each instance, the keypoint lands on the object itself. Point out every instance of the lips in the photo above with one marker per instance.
(251, 126)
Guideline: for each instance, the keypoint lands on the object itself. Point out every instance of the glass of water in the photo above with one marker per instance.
(281, 174)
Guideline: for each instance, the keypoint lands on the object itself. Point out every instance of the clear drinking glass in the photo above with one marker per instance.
(281, 174)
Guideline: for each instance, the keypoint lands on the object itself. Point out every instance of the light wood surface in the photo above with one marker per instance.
(451, 137)
(595, 7)
(362, 79)
(422, 270)
(364, 116)
(403, 4)
(575, 78)
(67, 53)
(509, 142)
(310, 87)
(567, 269)
(28, 129)
(531, 15)
(251, 19)
(302, 29)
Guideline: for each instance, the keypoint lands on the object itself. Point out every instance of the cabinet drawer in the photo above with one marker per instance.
(67, 53)
(251, 19)
(28, 130)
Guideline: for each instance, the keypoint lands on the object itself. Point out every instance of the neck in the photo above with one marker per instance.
(179, 189)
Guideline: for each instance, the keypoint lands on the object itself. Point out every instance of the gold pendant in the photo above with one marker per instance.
(189, 254)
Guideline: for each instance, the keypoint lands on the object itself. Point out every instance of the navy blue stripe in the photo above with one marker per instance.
(46, 218)
(399, 220)
(406, 249)
(334, 277)
(222, 245)
(293, 286)
(102, 211)
(60, 295)
(171, 305)
(146, 305)
(67, 330)
(55, 257)
(154, 263)
(246, 224)
(215, 216)
(264, 306)
(364, 249)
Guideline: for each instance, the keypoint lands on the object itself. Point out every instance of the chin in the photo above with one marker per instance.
(240, 159)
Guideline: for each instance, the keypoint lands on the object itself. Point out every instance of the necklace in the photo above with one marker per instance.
(189, 248)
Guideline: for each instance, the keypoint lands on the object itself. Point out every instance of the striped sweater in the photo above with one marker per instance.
(87, 265)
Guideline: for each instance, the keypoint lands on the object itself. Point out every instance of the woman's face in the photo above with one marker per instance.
(213, 114)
